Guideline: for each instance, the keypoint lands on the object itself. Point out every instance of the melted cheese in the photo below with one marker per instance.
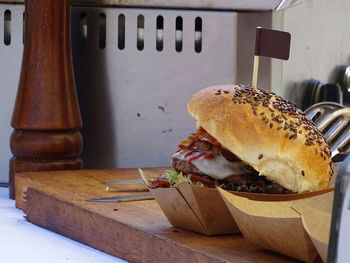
(217, 167)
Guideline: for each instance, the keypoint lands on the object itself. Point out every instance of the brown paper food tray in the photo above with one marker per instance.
(279, 225)
(135, 231)
(198, 209)
(316, 216)
(202, 209)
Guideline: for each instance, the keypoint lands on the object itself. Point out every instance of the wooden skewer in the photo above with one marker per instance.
(269, 43)
(255, 72)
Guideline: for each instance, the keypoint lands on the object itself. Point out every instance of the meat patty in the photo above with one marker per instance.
(204, 145)
(184, 166)
(248, 181)
(253, 183)
(188, 168)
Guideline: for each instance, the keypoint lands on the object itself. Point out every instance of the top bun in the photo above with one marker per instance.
(267, 132)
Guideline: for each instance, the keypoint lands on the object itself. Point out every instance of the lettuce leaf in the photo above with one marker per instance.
(174, 178)
(197, 184)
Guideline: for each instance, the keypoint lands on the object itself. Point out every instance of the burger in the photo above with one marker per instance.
(253, 141)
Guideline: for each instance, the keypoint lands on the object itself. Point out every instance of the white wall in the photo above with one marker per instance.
(320, 42)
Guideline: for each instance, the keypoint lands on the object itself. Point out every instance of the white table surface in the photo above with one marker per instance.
(21, 241)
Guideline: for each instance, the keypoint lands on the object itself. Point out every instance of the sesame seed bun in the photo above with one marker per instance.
(267, 132)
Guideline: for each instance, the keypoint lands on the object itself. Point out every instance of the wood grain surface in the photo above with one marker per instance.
(135, 231)
(46, 116)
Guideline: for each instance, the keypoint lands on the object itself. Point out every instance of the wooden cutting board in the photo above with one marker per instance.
(134, 231)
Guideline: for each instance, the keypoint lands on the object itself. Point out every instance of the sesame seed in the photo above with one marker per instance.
(289, 117)
(293, 136)
(302, 173)
(260, 156)
(271, 125)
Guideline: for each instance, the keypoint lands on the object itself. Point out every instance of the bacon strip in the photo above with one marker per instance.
(203, 141)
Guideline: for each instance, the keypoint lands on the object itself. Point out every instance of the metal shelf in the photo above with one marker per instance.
(185, 4)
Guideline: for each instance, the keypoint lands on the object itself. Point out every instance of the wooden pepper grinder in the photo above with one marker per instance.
(46, 115)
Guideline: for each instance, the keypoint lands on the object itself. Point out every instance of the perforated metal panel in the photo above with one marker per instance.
(133, 100)
(134, 78)
(11, 46)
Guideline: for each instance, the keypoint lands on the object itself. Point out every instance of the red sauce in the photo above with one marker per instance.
(206, 181)
(196, 157)
(209, 156)
(189, 153)
(160, 183)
